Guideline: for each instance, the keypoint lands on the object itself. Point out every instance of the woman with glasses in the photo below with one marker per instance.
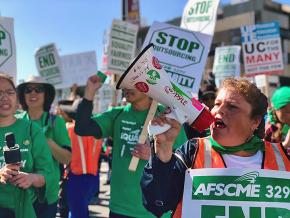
(21, 183)
(36, 97)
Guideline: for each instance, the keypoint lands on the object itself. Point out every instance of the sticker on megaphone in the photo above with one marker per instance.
(146, 75)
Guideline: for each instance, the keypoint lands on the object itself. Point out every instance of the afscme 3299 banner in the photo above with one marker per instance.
(236, 193)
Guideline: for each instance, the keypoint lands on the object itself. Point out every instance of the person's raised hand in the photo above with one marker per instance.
(93, 84)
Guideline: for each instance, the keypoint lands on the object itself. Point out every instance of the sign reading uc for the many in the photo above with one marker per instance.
(7, 47)
(232, 193)
(262, 50)
(182, 53)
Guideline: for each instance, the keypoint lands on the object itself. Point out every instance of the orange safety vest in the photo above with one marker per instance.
(86, 152)
(207, 157)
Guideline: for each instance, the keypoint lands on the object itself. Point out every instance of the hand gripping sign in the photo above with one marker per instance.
(146, 75)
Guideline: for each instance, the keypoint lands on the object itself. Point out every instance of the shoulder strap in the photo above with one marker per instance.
(50, 117)
(30, 132)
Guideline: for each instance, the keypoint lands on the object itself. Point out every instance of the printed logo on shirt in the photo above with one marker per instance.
(26, 142)
(131, 137)
(24, 150)
(23, 162)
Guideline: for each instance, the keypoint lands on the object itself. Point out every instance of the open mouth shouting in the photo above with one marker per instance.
(5, 106)
(219, 124)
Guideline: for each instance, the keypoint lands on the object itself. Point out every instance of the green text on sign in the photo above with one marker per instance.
(249, 187)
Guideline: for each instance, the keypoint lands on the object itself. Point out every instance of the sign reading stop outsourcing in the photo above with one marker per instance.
(181, 52)
(235, 193)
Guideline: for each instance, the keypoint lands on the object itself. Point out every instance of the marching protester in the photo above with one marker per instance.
(36, 97)
(235, 142)
(83, 167)
(279, 118)
(123, 124)
(21, 183)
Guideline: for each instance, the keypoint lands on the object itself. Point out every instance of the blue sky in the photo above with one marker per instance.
(74, 25)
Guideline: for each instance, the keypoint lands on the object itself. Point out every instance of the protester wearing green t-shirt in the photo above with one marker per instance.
(123, 124)
(36, 97)
(21, 183)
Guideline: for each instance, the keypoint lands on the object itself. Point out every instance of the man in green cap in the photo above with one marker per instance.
(279, 117)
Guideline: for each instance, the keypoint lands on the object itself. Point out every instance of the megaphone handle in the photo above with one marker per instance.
(143, 136)
(156, 129)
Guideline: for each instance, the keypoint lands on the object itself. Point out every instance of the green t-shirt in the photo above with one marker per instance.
(36, 158)
(55, 129)
(124, 125)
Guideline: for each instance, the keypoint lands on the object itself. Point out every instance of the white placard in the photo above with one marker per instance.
(122, 46)
(231, 193)
(182, 53)
(200, 15)
(226, 62)
(262, 52)
(77, 68)
(48, 63)
(7, 47)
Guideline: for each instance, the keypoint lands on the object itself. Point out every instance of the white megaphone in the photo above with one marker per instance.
(146, 75)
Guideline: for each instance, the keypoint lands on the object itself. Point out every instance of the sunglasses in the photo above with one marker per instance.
(37, 89)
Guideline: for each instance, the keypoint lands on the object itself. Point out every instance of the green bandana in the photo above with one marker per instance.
(281, 97)
(253, 145)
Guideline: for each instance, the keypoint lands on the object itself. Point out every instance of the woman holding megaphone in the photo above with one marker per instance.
(25, 158)
(235, 142)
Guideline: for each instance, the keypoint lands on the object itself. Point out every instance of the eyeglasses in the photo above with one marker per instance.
(7, 92)
(37, 89)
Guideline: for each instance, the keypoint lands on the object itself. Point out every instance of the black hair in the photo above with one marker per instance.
(49, 94)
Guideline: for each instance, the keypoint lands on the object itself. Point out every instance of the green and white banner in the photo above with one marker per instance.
(200, 15)
(181, 53)
(48, 63)
(226, 62)
(122, 46)
(7, 47)
(236, 193)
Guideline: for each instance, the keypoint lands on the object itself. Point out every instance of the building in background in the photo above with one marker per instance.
(239, 13)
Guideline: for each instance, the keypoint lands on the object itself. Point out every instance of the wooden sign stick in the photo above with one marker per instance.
(143, 136)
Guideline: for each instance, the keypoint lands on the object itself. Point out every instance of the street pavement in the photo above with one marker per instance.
(100, 207)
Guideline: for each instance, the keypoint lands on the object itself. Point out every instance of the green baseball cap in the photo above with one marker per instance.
(281, 97)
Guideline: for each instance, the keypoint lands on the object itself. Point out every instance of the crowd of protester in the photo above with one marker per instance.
(61, 150)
